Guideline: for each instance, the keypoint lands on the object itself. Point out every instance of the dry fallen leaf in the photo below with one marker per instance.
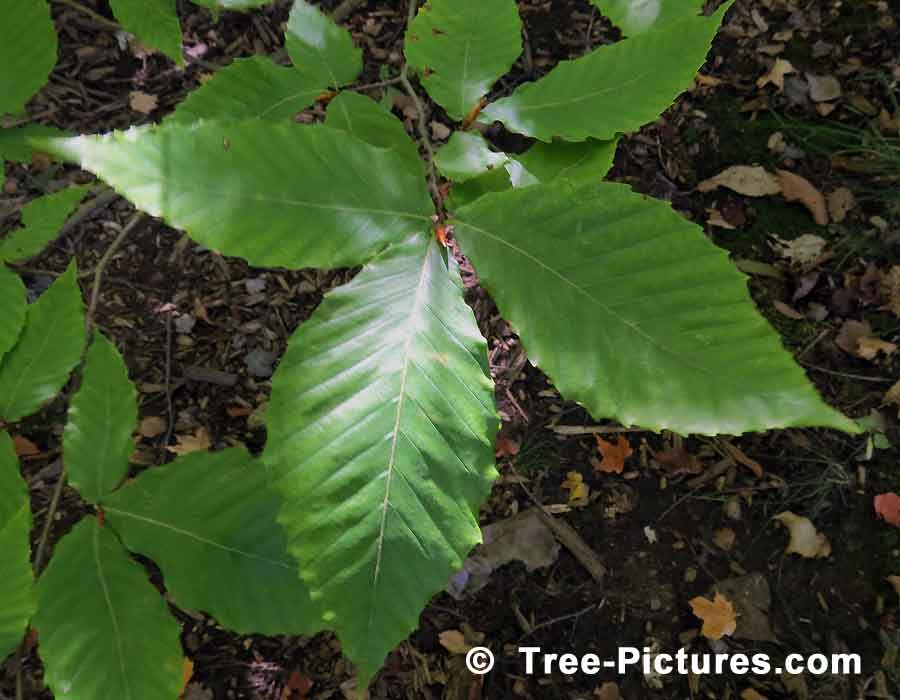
(187, 672)
(892, 396)
(719, 618)
(749, 180)
(25, 447)
(678, 460)
(786, 310)
(855, 338)
(776, 75)
(579, 492)
(297, 687)
(152, 426)
(454, 641)
(796, 188)
(714, 218)
(802, 251)
(506, 447)
(823, 88)
(198, 442)
(887, 507)
(724, 538)
(895, 582)
(805, 539)
(752, 694)
(607, 690)
(142, 102)
(890, 290)
(840, 202)
(614, 455)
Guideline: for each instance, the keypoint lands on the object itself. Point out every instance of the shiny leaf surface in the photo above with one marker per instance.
(208, 521)
(48, 349)
(647, 321)
(265, 210)
(381, 434)
(460, 48)
(102, 416)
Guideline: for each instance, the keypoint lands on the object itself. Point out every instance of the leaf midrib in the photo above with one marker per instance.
(395, 438)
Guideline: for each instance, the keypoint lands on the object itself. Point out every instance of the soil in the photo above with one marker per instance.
(657, 532)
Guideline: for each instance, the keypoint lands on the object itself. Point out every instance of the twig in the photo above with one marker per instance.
(423, 126)
(557, 620)
(567, 536)
(595, 430)
(104, 261)
(846, 375)
(90, 13)
(48, 522)
(379, 84)
(102, 200)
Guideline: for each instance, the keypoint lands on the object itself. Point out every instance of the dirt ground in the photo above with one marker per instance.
(201, 334)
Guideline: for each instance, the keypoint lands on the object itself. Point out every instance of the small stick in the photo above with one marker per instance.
(594, 430)
(567, 536)
(104, 261)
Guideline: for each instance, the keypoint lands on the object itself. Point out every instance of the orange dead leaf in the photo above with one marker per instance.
(142, 102)
(895, 582)
(887, 507)
(297, 687)
(679, 461)
(751, 694)
(614, 455)
(152, 426)
(440, 232)
(506, 447)
(607, 691)
(796, 188)
(718, 615)
(187, 672)
(25, 447)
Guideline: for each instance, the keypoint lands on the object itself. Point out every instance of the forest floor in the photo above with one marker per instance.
(806, 86)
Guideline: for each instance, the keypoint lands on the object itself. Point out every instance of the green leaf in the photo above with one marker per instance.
(542, 163)
(27, 51)
(381, 433)
(42, 218)
(614, 89)
(633, 312)
(16, 584)
(154, 22)
(250, 88)
(208, 521)
(460, 48)
(320, 48)
(14, 142)
(590, 160)
(102, 417)
(105, 631)
(364, 118)
(635, 17)
(13, 301)
(264, 211)
(466, 156)
(49, 348)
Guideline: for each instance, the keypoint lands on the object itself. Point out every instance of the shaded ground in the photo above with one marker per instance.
(200, 334)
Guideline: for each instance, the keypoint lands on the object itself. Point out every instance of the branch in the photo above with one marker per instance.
(424, 139)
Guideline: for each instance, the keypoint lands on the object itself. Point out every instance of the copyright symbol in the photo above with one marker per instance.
(479, 660)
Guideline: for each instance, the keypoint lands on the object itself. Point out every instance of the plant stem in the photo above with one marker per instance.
(104, 261)
(423, 126)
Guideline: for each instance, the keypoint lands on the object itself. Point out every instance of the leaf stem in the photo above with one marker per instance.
(424, 139)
